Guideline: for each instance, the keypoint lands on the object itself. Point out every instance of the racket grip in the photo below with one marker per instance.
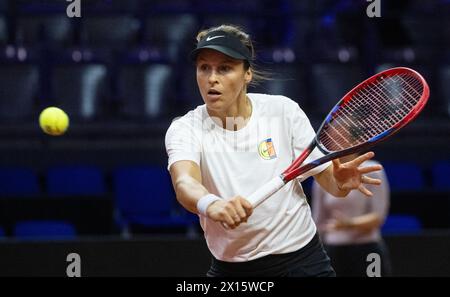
(266, 191)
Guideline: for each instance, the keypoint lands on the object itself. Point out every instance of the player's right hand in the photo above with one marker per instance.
(231, 212)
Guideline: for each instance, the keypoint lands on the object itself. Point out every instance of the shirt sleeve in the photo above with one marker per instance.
(302, 135)
(182, 143)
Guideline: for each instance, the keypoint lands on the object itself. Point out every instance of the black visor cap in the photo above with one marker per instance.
(223, 42)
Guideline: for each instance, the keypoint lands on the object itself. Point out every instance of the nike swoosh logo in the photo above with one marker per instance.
(209, 38)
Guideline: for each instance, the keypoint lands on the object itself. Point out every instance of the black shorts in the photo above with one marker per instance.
(309, 261)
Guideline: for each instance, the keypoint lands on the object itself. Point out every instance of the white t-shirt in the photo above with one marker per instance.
(239, 162)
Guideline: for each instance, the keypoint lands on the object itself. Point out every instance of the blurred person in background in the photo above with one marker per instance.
(350, 227)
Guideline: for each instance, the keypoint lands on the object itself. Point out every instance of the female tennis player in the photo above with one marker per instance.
(225, 149)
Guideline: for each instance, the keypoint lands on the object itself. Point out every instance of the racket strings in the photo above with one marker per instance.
(373, 109)
(375, 99)
(372, 96)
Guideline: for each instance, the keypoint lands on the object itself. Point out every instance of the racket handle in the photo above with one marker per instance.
(266, 191)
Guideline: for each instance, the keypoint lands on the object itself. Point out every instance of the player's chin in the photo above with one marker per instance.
(215, 104)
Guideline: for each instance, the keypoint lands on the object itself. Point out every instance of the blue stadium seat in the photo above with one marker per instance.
(419, 28)
(2, 233)
(396, 223)
(110, 31)
(110, 6)
(165, 28)
(145, 90)
(19, 82)
(404, 176)
(75, 181)
(79, 88)
(44, 230)
(172, 33)
(298, 33)
(441, 176)
(144, 196)
(18, 182)
(276, 33)
(331, 81)
(53, 29)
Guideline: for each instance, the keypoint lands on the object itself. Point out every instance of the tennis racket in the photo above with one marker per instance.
(371, 112)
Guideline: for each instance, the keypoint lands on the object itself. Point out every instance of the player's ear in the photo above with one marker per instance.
(248, 76)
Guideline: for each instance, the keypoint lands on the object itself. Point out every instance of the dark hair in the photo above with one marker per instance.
(258, 75)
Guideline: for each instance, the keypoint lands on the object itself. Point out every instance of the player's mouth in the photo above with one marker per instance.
(213, 94)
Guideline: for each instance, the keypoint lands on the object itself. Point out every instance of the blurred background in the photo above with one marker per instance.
(122, 74)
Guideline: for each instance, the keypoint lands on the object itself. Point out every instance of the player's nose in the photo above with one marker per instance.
(212, 78)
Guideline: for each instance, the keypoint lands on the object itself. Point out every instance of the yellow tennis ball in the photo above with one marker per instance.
(53, 121)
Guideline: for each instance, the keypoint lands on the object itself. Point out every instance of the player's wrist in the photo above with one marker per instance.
(204, 202)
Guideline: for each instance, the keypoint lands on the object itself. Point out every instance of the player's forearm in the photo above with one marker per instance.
(189, 191)
(366, 223)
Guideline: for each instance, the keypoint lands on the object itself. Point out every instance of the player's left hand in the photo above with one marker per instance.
(349, 176)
